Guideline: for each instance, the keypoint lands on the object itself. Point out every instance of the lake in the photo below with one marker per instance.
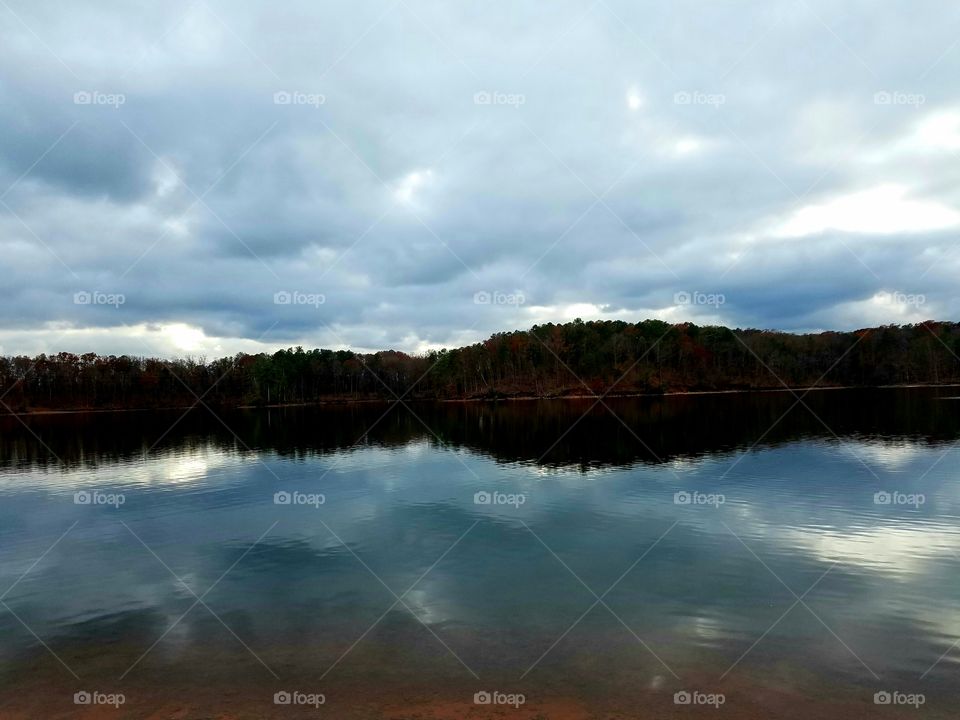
(730, 555)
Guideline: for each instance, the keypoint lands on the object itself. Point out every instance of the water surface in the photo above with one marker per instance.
(796, 557)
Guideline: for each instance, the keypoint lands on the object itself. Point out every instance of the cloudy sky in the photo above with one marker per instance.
(208, 177)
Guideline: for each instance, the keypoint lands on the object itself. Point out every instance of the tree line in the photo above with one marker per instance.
(550, 360)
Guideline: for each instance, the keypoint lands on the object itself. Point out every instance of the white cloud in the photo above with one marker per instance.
(408, 189)
(883, 210)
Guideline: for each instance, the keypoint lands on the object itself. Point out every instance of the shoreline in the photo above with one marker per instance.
(220, 680)
(514, 398)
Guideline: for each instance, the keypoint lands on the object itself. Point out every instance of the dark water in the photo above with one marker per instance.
(785, 582)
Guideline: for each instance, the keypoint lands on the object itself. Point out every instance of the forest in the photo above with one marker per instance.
(549, 360)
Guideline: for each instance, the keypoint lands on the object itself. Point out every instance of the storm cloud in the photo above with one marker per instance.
(208, 177)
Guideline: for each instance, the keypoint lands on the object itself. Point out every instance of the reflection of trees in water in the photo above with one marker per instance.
(554, 433)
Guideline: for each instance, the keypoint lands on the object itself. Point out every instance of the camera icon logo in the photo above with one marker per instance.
(482, 498)
(682, 298)
(882, 498)
(82, 298)
(882, 98)
(282, 498)
(482, 98)
(82, 698)
(882, 698)
(82, 97)
(282, 698)
(682, 698)
(481, 298)
(82, 498)
(681, 498)
(482, 698)
(282, 97)
(282, 298)
(682, 98)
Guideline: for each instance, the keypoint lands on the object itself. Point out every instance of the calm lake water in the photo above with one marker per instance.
(789, 560)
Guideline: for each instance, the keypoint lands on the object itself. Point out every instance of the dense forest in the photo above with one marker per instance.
(577, 358)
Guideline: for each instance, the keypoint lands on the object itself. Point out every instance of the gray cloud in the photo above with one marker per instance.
(798, 159)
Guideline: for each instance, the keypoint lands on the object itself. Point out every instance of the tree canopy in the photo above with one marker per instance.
(550, 360)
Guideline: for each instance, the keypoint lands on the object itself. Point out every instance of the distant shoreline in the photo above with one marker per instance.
(516, 398)
(675, 393)
(572, 360)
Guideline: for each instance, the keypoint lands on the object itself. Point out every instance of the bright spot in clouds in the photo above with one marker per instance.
(184, 337)
(882, 210)
(406, 191)
(940, 131)
(688, 146)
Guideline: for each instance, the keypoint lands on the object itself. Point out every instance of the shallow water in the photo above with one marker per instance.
(731, 544)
